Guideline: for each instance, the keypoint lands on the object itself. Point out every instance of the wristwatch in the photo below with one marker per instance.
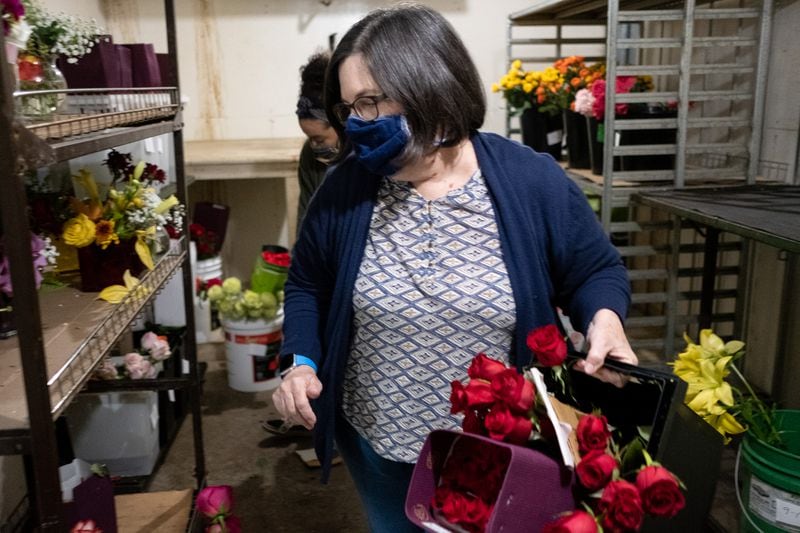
(292, 361)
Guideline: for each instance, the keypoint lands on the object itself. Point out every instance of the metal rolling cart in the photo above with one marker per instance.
(708, 59)
(38, 380)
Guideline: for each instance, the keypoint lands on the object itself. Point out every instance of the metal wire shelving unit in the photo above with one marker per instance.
(38, 380)
(710, 59)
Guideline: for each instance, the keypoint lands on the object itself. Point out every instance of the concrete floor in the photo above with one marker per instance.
(275, 491)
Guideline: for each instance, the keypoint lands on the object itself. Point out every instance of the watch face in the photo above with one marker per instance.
(287, 362)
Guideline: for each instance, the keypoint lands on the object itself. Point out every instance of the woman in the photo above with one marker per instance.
(428, 243)
(322, 143)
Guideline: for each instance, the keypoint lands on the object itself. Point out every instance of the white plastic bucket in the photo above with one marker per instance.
(205, 269)
(209, 268)
(252, 350)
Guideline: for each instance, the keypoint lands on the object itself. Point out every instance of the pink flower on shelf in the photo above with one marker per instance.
(624, 85)
(138, 367)
(85, 526)
(232, 525)
(215, 500)
(107, 370)
(156, 346)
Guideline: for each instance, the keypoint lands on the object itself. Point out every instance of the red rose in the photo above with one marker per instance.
(212, 282)
(510, 387)
(458, 397)
(593, 433)
(503, 425)
(196, 230)
(595, 469)
(621, 507)
(483, 367)
(661, 494)
(461, 509)
(548, 345)
(477, 393)
(473, 423)
(574, 522)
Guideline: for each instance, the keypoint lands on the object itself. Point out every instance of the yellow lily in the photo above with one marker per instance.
(85, 179)
(114, 294)
(139, 170)
(166, 205)
(142, 249)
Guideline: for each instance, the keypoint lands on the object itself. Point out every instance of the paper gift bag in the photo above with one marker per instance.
(534, 489)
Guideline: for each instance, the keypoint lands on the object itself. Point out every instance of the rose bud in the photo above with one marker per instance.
(660, 491)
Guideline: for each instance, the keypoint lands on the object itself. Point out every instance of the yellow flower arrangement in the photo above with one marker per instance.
(705, 367)
(549, 90)
(132, 208)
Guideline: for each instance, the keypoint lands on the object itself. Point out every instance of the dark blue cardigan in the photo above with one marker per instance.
(555, 251)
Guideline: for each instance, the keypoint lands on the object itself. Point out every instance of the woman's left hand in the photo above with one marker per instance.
(606, 338)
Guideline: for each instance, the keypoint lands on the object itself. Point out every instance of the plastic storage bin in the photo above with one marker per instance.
(118, 429)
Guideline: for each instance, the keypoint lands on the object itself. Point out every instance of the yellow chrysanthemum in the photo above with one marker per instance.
(516, 64)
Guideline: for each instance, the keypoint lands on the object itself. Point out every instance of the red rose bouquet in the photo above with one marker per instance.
(616, 486)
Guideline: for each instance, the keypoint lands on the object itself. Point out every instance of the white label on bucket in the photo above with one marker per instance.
(554, 137)
(774, 505)
(787, 512)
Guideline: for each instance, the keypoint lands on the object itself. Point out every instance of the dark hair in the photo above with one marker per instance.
(418, 60)
(312, 86)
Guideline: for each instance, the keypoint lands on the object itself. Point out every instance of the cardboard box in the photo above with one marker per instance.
(117, 429)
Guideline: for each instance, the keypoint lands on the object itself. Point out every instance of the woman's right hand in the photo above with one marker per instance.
(291, 399)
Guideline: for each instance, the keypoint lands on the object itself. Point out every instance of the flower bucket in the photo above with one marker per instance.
(266, 276)
(102, 268)
(207, 269)
(542, 131)
(770, 496)
(252, 352)
(204, 322)
(577, 140)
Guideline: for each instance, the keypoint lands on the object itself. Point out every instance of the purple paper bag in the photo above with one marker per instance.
(100, 68)
(168, 77)
(144, 65)
(125, 71)
(94, 500)
(536, 488)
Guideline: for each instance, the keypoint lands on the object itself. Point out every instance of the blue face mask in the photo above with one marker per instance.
(377, 142)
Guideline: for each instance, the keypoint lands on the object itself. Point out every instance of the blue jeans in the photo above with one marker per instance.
(381, 483)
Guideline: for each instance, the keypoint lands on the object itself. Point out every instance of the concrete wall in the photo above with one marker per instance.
(239, 59)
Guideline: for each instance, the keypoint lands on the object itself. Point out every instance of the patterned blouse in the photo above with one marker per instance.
(432, 291)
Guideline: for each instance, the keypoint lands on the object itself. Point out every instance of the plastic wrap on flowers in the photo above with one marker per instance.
(533, 488)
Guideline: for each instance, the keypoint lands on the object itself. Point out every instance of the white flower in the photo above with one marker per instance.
(584, 100)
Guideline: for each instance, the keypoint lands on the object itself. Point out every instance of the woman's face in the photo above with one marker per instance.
(320, 133)
(355, 81)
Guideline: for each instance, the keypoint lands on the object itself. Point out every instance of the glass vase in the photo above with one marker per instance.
(41, 75)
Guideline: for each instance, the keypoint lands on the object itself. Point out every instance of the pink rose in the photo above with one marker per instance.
(106, 370)
(156, 346)
(215, 500)
(85, 526)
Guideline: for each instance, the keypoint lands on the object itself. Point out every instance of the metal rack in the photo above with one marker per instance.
(38, 381)
(710, 59)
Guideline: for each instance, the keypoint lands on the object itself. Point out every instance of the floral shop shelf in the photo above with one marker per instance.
(78, 329)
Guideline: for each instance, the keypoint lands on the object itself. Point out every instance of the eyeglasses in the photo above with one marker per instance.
(365, 107)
